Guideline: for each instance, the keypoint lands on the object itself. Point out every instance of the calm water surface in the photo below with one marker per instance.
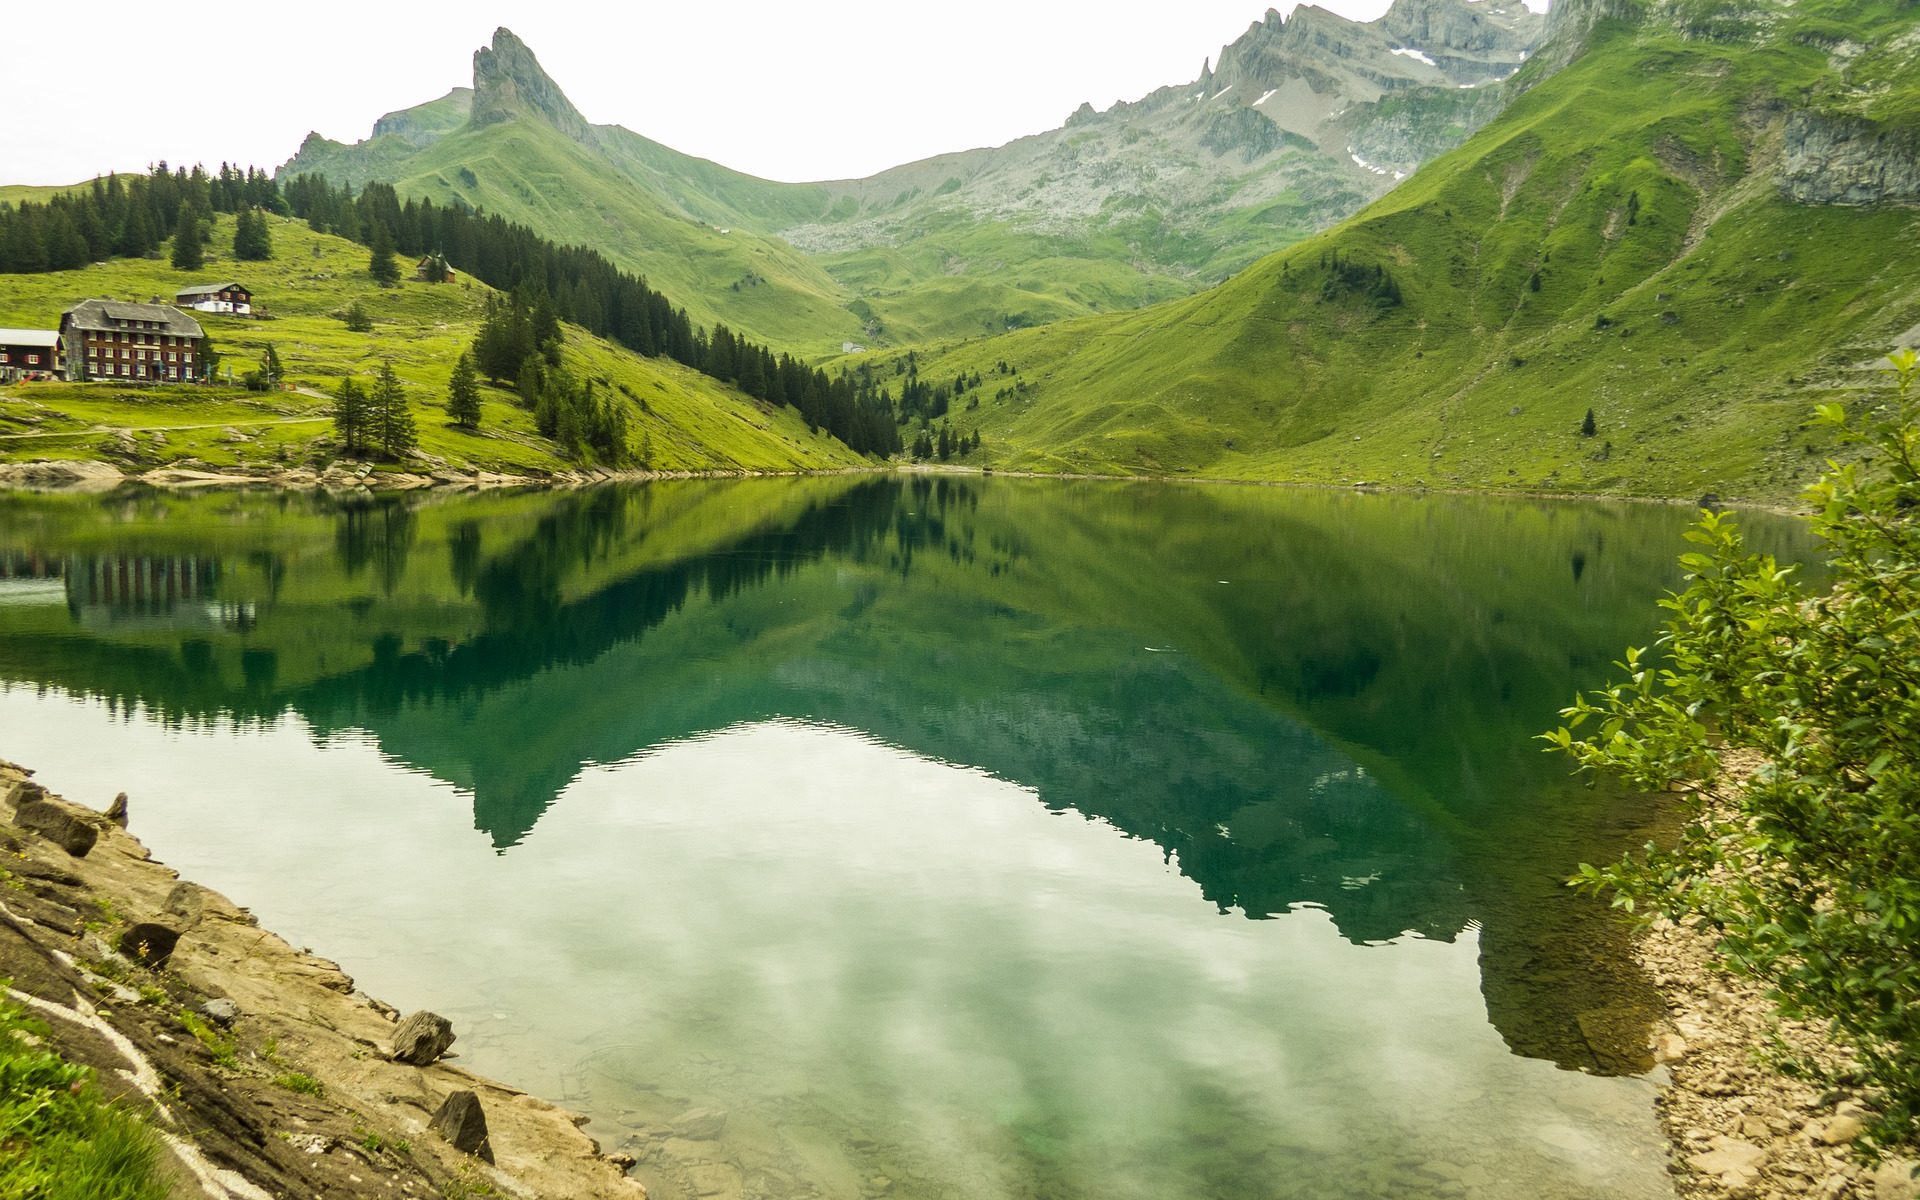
(922, 838)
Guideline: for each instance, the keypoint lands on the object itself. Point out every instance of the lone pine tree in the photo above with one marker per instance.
(463, 394)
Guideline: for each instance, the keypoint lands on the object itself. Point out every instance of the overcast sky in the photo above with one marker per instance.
(786, 89)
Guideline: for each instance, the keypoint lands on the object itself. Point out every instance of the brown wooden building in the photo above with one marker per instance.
(217, 298)
(25, 353)
(112, 339)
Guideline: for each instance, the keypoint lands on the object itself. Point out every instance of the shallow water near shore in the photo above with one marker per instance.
(911, 837)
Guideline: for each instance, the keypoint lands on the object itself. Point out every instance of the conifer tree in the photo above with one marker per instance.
(392, 419)
(188, 253)
(383, 266)
(357, 319)
(463, 394)
(252, 241)
(351, 415)
(271, 366)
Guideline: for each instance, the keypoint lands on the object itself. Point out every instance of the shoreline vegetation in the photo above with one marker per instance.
(258, 1067)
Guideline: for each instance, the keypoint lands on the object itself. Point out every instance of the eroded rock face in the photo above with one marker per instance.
(421, 1039)
(1849, 161)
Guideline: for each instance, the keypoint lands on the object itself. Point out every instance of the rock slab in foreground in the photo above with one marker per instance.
(58, 825)
(421, 1039)
(461, 1121)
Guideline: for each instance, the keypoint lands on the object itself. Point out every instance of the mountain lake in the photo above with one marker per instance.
(910, 835)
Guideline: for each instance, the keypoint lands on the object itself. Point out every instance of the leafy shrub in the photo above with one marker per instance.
(1809, 870)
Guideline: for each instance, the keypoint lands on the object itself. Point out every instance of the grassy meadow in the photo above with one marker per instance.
(679, 419)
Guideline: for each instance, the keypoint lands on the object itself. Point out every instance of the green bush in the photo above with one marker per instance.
(1809, 869)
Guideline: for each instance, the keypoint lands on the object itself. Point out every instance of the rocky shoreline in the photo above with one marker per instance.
(1739, 1129)
(261, 1067)
(81, 475)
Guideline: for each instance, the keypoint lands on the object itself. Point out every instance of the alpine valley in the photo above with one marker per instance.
(1413, 251)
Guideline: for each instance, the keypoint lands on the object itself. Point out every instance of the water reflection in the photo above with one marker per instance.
(1300, 702)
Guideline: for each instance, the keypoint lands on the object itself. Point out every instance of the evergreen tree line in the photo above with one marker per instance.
(379, 419)
(550, 283)
(132, 216)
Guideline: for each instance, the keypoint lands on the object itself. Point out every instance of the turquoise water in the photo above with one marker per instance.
(868, 836)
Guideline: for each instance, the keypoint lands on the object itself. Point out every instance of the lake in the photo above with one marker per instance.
(903, 835)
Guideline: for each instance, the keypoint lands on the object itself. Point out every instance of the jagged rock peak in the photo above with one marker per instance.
(508, 82)
(1456, 26)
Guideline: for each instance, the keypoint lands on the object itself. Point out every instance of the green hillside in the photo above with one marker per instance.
(1626, 238)
(679, 419)
(532, 174)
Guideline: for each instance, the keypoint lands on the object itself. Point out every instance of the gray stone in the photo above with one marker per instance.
(148, 943)
(221, 1012)
(422, 1038)
(58, 824)
(461, 1121)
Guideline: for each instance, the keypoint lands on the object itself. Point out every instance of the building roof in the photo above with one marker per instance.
(106, 315)
(29, 337)
(208, 289)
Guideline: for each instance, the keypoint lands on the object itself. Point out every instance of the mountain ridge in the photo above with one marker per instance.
(1310, 117)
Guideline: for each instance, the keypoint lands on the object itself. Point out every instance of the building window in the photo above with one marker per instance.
(33, 360)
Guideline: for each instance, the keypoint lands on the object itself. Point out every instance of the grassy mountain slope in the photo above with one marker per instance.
(1618, 240)
(533, 174)
(679, 419)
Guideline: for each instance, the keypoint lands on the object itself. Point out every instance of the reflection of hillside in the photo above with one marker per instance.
(1303, 699)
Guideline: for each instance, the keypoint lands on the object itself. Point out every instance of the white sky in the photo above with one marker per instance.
(787, 89)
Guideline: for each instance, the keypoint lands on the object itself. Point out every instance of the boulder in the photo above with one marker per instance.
(461, 1121)
(186, 901)
(117, 811)
(421, 1039)
(221, 1012)
(58, 824)
(148, 943)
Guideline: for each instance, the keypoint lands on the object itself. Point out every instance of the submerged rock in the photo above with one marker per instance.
(422, 1038)
(701, 1124)
(461, 1121)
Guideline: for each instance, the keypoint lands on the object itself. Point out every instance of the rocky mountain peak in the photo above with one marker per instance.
(508, 82)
